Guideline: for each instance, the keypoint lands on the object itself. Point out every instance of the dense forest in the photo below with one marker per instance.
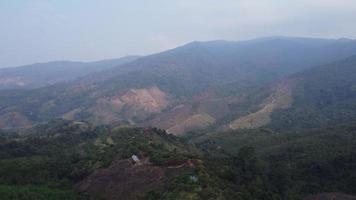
(70, 160)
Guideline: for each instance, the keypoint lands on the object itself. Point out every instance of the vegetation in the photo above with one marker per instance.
(228, 70)
(324, 95)
(300, 151)
(35, 193)
(63, 153)
(288, 165)
(52, 160)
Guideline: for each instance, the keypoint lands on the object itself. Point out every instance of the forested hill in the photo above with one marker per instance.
(75, 160)
(323, 96)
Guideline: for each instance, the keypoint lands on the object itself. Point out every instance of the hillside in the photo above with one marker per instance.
(315, 98)
(211, 100)
(195, 86)
(44, 74)
(307, 162)
(76, 160)
(323, 96)
(192, 68)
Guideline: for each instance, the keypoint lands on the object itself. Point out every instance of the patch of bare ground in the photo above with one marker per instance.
(71, 114)
(151, 100)
(202, 112)
(199, 120)
(123, 180)
(127, 180)
(281, 98)
(135, 103)
(171, 117)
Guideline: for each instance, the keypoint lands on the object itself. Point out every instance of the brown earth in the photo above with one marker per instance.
(150, 100)
(135, 103)
(71, 114)
(195, 121)
(171, 117)
(123, 180)
(202, 112)
(280, 99)
(127, 180)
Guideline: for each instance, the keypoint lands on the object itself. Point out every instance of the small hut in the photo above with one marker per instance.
(135, 159)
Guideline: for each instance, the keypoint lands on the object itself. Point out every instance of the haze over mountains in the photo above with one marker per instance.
(44, 74)
(194, 86)
(209, 109)
(270, 118)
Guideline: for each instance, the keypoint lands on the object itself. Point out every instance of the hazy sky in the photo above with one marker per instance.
(45, 30)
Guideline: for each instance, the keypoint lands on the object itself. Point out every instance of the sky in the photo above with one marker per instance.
(84, 30)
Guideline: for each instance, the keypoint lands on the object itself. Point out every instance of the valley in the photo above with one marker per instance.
(270, 118)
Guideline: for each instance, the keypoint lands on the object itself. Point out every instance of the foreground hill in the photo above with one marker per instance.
(94, 160)
(75, 160)
(44, 74)
(195, 86)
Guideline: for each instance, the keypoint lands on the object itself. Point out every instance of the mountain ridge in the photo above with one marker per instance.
(191, 80)
(43, 74)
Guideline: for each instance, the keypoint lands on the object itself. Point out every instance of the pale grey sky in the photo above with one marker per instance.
(46, 30)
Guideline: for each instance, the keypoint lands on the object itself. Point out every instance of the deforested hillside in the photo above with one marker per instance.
(318, 97)
(194, 86)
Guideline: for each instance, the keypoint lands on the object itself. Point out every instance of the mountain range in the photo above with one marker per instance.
(269, 118)
(218, 85)
(45, 74)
